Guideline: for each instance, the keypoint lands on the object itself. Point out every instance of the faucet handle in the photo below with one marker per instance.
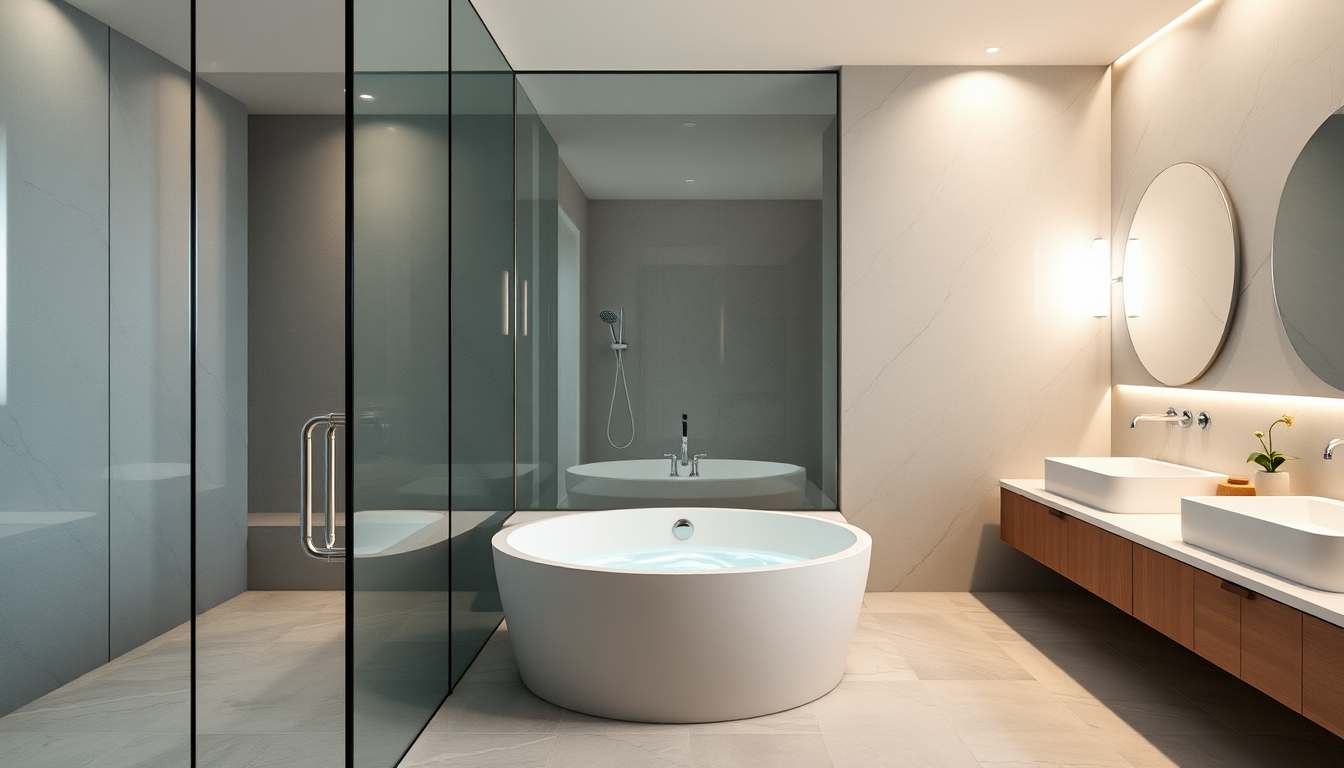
(674, 457)
(695, 463)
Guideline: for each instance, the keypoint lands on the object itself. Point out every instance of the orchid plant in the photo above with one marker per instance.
(1269, 458)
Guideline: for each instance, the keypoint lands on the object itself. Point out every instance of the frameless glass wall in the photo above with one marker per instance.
(677, 268)
(95, 514)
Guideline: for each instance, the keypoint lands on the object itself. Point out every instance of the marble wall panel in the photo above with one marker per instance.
(1238, 86)
(149, 345)
(966, 195)
(53, 417)
(221, 347)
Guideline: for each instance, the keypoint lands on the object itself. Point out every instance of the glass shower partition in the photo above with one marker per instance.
(432, 334)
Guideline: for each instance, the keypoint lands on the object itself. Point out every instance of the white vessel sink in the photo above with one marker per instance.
(1127, 484)
(1297, 537)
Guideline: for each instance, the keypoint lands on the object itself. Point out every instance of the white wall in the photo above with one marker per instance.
(963, 359)
(1238, 87)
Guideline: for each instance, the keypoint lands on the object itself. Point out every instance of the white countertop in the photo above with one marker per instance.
(1162, 533)
(518, 518)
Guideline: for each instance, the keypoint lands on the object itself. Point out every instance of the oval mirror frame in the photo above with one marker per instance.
(1307, 260)
(1181, 273)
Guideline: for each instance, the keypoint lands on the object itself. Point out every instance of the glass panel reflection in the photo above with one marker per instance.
(677, 246)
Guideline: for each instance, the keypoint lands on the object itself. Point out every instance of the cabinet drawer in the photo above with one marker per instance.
(1034, 528)
(1100, 562)
(1217, 632)
(1323, 673)
(1164, 594)
(1271, 648)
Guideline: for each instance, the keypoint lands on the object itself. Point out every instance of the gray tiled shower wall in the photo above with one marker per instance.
(723, 303)
(94, 420)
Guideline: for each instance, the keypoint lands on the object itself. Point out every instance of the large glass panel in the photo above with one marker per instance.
(269, 343)
(416, 165)
(677, 264)
(94, 383)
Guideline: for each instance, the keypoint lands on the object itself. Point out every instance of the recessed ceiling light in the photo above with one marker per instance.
(688, 124)
(688, 181)
(366, 96)
(992, 49)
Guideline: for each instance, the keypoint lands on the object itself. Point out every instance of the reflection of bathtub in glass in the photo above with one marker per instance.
(408, 549)
(737, 483)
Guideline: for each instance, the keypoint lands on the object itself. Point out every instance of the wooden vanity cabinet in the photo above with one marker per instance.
(1100, 562)
(1164, 594)
(1271, 648)
(1097, 560)
(1217, 622)
(1294, 657)
(1323, 673)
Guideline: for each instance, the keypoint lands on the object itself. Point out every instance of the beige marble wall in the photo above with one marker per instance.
(1230, 438)
(1239, 87)
(964, 355)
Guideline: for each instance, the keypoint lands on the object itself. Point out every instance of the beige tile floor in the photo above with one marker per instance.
(270, 681)
(935, 679)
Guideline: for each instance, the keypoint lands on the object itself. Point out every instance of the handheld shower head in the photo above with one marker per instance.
(609, 316)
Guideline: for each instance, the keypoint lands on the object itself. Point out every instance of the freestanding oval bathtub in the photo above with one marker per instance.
(613, 614)
(722, 483)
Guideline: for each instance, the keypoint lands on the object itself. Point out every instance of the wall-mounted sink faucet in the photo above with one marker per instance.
(1183, 419)
(1330, 447)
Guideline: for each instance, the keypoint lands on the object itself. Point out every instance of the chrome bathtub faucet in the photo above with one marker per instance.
(695, 463)
(684, 459)
(673, 457)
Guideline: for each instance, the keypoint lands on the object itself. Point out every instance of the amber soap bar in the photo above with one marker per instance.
(1236, 486)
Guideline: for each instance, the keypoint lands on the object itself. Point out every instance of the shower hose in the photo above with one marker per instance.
(620, 382)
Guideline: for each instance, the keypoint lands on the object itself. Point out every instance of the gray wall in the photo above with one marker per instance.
(722, 305)
(150, 345)
(94, 426)
(54, 421)
(574, 203)
(296, 293)
(221, 347)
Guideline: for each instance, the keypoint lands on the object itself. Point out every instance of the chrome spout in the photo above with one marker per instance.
(1330, 447)
(1181, 419)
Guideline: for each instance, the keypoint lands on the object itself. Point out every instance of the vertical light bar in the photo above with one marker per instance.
(1133, 278)
(525, 307)
(504, 302)
(4, 267)
(1099, 277)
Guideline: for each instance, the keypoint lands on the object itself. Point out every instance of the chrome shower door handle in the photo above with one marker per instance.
(329, 552)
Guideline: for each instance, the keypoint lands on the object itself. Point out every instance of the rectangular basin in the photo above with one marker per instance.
(1300, 538)
(1127, 484)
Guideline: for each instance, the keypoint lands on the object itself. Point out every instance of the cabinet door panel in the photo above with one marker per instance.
(1178, 601)
(1217, 631)
(1082, 554)
(1011, 522)
(1115, 576)
(1323, 673)
(1271, 649)
(1148, 586)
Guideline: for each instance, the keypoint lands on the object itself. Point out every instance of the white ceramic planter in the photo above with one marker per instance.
(1271, 483)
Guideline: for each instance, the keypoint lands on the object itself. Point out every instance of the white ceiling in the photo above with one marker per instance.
(817, 34)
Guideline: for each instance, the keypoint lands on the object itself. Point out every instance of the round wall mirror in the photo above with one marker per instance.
(1308, 260)
(1180, 273)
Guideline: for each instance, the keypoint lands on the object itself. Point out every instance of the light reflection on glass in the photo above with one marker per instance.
(4, 268)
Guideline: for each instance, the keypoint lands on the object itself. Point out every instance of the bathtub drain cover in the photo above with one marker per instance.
(683, 529)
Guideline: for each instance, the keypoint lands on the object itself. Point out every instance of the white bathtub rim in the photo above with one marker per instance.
(862, 541)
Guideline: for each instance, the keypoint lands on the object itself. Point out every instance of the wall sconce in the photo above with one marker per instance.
(1133, 278)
